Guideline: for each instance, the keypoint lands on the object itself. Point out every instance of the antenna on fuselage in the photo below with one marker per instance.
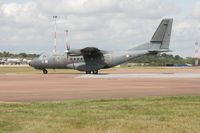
(55, 37)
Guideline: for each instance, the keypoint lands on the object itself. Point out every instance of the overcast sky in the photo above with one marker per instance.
(27, 26)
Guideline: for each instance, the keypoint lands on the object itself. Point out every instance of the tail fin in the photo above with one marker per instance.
(161, 38)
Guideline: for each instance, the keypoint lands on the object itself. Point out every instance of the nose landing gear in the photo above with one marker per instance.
(45, 71)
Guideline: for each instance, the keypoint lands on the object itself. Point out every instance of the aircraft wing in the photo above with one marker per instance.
(93, 57)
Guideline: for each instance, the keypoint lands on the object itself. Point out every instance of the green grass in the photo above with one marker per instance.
(150, 114)
(30, 70)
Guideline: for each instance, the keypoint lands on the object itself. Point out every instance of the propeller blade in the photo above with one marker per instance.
(67, 44)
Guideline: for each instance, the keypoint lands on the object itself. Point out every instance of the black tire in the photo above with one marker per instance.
(95, 72)
(45, 71)
(88, 72)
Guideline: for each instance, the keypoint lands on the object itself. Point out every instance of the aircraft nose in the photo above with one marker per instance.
(33, 63)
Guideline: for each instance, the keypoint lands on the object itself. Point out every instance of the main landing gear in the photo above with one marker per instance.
(45, 71)
(94, 72)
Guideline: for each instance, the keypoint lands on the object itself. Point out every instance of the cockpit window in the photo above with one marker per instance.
(43, 55)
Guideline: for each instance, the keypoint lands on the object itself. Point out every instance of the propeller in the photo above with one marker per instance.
(67, 46)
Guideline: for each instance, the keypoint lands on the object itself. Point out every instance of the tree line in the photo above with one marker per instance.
(5, 54)
(163, 60)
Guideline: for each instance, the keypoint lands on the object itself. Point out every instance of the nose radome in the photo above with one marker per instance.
(32, 63)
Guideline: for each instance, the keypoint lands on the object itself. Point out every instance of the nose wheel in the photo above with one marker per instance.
(45, 71)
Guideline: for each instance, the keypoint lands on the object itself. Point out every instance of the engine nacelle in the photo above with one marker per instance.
(74, 52)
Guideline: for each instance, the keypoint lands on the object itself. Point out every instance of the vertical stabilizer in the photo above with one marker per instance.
(163, 34)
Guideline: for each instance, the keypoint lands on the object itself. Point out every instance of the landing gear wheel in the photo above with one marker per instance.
(45, 71)
(88, 72)
(95, 72)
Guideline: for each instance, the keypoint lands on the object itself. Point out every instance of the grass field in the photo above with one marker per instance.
(150, 114)
(30, 70)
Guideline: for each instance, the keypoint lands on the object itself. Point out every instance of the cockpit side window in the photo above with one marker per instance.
(43, 56)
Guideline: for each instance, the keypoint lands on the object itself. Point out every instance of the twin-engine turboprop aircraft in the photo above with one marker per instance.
(91, 59)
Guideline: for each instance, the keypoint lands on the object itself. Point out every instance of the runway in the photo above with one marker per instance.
(53, 87)
(149, 76)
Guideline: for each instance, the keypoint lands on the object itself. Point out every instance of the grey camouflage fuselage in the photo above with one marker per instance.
(91, 59)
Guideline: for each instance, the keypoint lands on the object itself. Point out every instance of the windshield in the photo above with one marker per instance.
(43, 56)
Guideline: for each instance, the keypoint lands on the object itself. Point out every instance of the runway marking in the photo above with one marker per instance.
(158, 75)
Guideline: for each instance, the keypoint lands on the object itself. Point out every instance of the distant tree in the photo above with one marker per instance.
(20, 55)
(160, 60)
(177, 57)
(190, 60)
(23, 55)
(5, 54)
